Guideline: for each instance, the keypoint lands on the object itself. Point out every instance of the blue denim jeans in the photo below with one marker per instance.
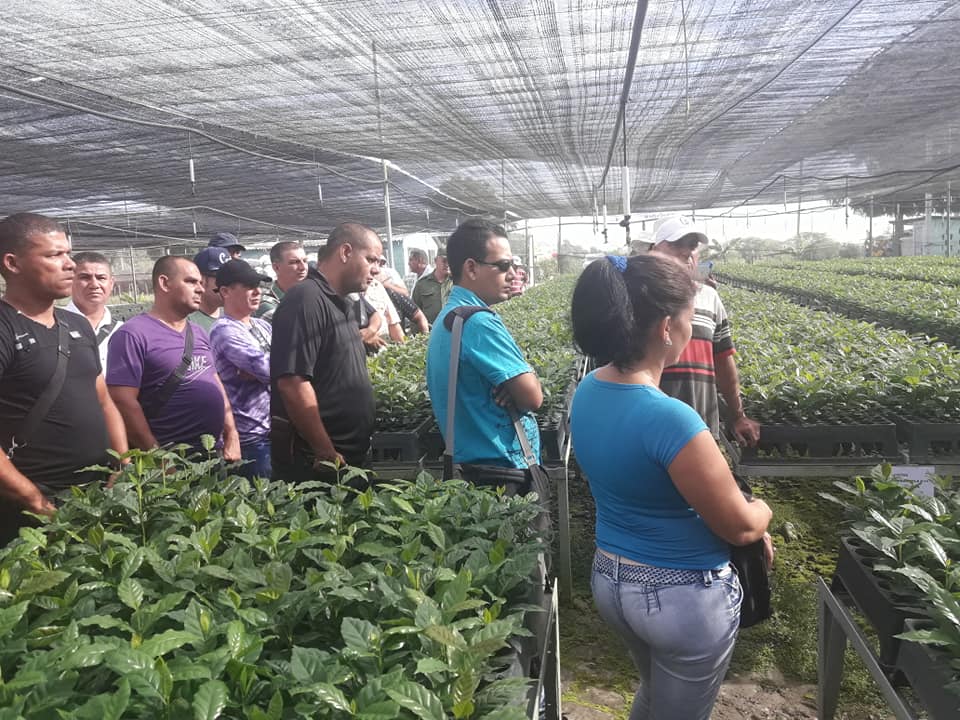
(256, 456)
(680, 638)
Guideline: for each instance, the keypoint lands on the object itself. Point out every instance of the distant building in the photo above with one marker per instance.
(927, 235)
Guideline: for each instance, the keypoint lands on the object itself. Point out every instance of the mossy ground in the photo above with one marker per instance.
(784, 646)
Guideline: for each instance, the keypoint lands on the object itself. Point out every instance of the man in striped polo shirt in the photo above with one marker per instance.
(707, 363)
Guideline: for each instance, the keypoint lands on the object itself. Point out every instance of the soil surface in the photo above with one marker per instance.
(767, 697)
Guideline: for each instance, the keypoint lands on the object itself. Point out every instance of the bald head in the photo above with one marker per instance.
(356, 235)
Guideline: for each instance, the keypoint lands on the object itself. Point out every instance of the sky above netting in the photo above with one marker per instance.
(510, 109)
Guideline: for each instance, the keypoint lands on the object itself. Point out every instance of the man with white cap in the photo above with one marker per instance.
(707, 364)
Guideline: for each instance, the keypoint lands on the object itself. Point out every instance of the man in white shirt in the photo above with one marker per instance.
(92, 287)
(419, 267)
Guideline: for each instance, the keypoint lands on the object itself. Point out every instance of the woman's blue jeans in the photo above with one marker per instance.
(680, 637)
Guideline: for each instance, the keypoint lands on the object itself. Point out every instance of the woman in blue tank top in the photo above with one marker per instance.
(667, 504)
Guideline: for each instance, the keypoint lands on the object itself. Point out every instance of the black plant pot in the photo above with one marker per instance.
(928, 670)
(884, 607)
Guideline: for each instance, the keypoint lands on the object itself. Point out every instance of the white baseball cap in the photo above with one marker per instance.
(676, 227)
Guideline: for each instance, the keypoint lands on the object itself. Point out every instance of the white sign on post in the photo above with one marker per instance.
(920, 476)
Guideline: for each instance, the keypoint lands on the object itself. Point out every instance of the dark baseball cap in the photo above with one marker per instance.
(210, 259)
(225, 240)
(239, 271)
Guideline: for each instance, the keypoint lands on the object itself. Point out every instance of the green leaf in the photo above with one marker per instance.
(107, 706)
(428, 665)
(418, 700)
(934, 550)
(87, 655)
(210, 700)
(219, 572)
(41, 582)
(131, 563)
(130, 593)
(383, 710)
(306, 664)
(127, 660)
(436, 535)
(166, 641)
(359, 635)
(375, 549)
(104, 621)
(332, 696)
(235, 638)
(275, 709)
(404, 505)
(246, 517)
(10, 617)
(445, 635)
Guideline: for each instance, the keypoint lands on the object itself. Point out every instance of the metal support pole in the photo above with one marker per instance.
(386, 177)
(531, 255)
(870, 226)
(947, 242)
(559, 240)
(133, 275)
(799, 199)
(386, 210)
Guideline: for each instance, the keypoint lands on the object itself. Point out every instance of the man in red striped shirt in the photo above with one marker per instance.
(707, 363)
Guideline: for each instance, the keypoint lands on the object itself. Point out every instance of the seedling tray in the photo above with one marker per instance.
(401, 445)
(799, 443)
(928, 441)
(884, 609)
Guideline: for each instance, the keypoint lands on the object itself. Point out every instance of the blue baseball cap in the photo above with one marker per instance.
(225, 240)
(211, 259)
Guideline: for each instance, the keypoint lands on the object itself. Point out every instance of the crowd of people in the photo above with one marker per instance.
(276, 372)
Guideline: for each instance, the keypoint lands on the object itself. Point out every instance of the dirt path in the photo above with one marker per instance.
(741, 698)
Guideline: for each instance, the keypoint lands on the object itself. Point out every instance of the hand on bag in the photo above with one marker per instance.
(768, 551)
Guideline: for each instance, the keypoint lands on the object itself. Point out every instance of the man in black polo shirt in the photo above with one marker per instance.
(322, 398)
(39, 459)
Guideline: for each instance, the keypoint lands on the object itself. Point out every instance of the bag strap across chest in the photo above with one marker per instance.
(49, 395)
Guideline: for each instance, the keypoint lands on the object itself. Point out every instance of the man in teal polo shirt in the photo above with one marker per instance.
(493, 373)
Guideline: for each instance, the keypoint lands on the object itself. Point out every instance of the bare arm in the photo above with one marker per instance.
(125, 399)
(419, 321)
(371, 334)
(522, 391)
(300, 401)
(231, 438)
(116, 432)
(746, 431)
(396, 332)
(701, 475)
(17, 487)
(401, 288)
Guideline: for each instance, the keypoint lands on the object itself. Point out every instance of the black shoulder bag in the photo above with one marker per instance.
(49, 395)
(516, 480)
(173, 380)
(751, 567)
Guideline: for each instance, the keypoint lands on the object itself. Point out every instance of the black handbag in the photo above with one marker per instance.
(751, 567)
(515, 480)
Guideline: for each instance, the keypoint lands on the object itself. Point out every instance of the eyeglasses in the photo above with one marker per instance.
(503, 266)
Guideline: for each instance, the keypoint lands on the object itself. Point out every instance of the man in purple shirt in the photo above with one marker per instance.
(241, 347)
(145, 353)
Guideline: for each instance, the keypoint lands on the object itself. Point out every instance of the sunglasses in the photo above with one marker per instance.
(503, 266)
